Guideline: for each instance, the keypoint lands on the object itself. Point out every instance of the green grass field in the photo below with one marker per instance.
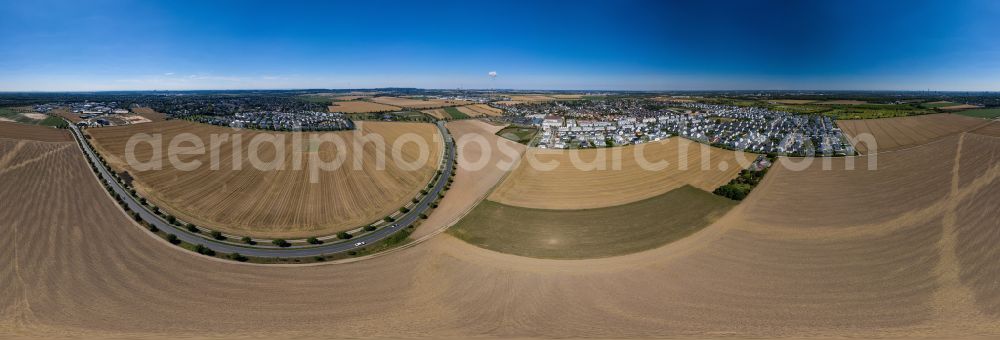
(11, 114)
(591, 233)
(522, 135)
(408, 116)
(14, 115)
(454, 113)
(838, 111)
(325, 100)
(989, 113)
(855, 111)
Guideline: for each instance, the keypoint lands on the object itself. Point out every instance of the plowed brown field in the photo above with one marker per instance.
(991, 129)
(903, 132)
(71, 264)
(33, 132)
(568, 187)
(277, 203)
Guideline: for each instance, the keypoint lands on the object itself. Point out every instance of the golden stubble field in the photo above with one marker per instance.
(902, 132)
(437, 113)
(614, 176)
(71, 264)
(412, 103)
(474, 110)
(246, 200)
(480, 110)
(360, 106)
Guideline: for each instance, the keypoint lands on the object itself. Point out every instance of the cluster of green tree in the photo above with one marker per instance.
(738, 188)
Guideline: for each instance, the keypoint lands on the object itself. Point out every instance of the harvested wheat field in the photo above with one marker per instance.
(412, 103)
(72, 264)
(903, 132)
(959, 107)
(437, 113)
(283, 203)
(566, 96)
(614, 176)
(361, 107)
(531, 98)
(480, 110)
(11, 130)
(509, 102)
(483, 160)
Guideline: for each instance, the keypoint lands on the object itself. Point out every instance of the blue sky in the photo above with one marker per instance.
(630, 45)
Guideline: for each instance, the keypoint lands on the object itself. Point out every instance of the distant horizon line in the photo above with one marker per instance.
(497, 90)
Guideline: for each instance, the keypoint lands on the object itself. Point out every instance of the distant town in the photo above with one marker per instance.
(776, 123)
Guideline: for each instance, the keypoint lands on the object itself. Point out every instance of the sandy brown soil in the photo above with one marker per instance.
(903, 132)
(35, 115)
(472, 182)
(991, 129)
(568, 187)
(73, 265)
(277, 203)
(136, 119)
(149, 114)
(13, 130)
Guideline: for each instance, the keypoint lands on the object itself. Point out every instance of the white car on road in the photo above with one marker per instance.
(359, 244)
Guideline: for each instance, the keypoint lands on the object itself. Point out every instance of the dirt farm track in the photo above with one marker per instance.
(919, 258)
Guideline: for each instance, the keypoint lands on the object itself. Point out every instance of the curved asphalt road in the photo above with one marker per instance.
(269, 250)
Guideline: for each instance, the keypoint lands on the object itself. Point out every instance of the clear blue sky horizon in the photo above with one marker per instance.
(581, 45)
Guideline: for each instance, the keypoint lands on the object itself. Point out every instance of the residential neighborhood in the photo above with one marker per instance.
(586, 124)
(282, 121)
